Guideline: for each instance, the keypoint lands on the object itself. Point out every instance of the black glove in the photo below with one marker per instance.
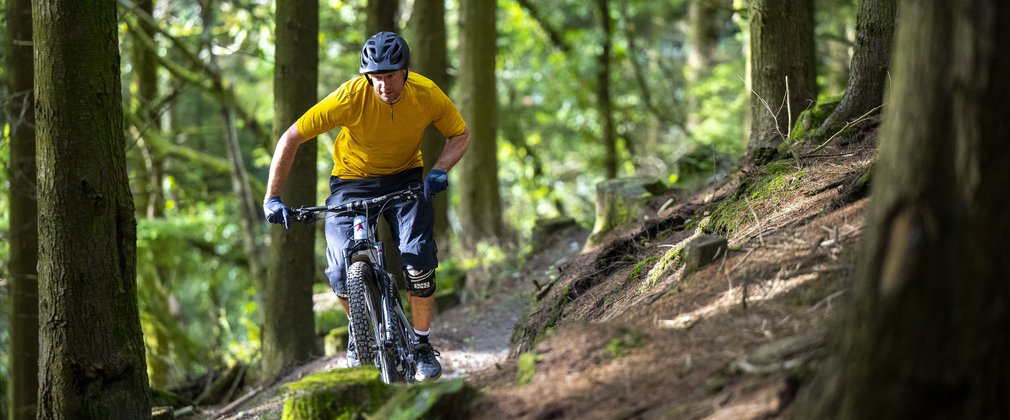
(275, 211)
(436, 182)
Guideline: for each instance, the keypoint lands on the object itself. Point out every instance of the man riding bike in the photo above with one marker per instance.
(383, 114)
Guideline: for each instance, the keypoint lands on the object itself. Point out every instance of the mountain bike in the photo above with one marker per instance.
(381, 332)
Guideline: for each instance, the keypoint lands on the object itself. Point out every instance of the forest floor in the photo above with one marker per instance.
(594, 339)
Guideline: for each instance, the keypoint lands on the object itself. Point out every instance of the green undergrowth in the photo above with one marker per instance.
(768, 184)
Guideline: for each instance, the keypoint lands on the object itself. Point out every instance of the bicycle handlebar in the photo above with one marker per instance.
(307, 214)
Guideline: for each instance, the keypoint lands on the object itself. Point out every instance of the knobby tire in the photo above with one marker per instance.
(362, 303)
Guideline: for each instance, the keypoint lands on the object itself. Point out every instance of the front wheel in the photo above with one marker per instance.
(362, 302)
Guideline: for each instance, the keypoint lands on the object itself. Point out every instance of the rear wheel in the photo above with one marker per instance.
(362, 302)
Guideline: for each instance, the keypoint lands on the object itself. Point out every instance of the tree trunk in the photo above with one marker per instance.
(24, 235)
(870, 64)
(288, 333)
(782, 47)
(382, 15)
(480, 204)
(149, 199)
(603, 91)
(702, 40)
(430, 58)
(91, 363)
(928, 329)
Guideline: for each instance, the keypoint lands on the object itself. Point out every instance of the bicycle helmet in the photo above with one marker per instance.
(384, 52)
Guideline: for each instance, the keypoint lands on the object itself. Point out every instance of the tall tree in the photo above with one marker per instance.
(382, 16)
(869, 66)
(149, 198)
(480, 203)
(782, 48)
(603, 90)
(24, 239)
(91, 362)
(288, 333)
(928, 328)
(703, 21)
(428, 42)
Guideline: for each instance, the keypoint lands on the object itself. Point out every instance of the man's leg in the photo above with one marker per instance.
(414, 231)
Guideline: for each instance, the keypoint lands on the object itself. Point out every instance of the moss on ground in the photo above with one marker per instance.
(772, 180)
(336, 394)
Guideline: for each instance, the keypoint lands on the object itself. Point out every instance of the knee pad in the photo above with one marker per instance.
(420, 283)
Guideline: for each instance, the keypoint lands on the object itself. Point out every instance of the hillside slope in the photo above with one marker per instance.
(627, 333)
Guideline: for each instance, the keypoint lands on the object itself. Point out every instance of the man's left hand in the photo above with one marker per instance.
(436, 182)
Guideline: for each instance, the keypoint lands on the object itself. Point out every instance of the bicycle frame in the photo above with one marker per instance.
(368, 246)
(382, 299)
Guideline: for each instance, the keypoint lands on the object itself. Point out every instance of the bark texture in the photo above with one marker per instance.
(480, 203)
(782, 46)
(382, 15)
(24, 239)
(928, 330)
(603, 101)
(91, 362)
(869, 66)
(288, 333)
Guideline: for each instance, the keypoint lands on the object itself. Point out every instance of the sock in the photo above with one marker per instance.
(422, 336)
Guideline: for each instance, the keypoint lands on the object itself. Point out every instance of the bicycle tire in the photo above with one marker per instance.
(361, 302)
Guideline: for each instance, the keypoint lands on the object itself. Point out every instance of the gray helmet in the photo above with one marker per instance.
(384, 52)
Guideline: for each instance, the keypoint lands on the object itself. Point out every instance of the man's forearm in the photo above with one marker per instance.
(454, 149)
(283, 158)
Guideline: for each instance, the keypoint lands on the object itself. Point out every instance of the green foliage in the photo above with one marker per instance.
(626, 340)
(330, 319)
(193, 284)
(526, 367)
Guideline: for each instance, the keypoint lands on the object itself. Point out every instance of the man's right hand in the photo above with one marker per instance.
(275, 211)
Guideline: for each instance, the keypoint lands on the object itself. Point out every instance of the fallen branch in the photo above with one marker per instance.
(231, 406)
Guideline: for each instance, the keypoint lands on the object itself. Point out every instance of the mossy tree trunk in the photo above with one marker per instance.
(603, 101)
(430, 58)
(870, 63)
(24, 235)
(480, 210)
(928, 331)
(782, 47)
(288, 334)
(91, 363)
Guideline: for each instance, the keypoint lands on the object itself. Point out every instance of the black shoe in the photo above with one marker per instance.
(428, 368)
(352, 354)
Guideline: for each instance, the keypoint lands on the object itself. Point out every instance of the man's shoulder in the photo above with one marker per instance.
(421, 81)
(354, 85)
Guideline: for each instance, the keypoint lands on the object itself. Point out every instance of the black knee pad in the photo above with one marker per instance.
(420, 283)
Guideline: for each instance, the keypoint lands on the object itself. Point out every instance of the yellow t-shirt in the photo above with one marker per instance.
(376, 138)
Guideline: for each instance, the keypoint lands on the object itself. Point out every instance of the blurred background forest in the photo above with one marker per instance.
(675, 73)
